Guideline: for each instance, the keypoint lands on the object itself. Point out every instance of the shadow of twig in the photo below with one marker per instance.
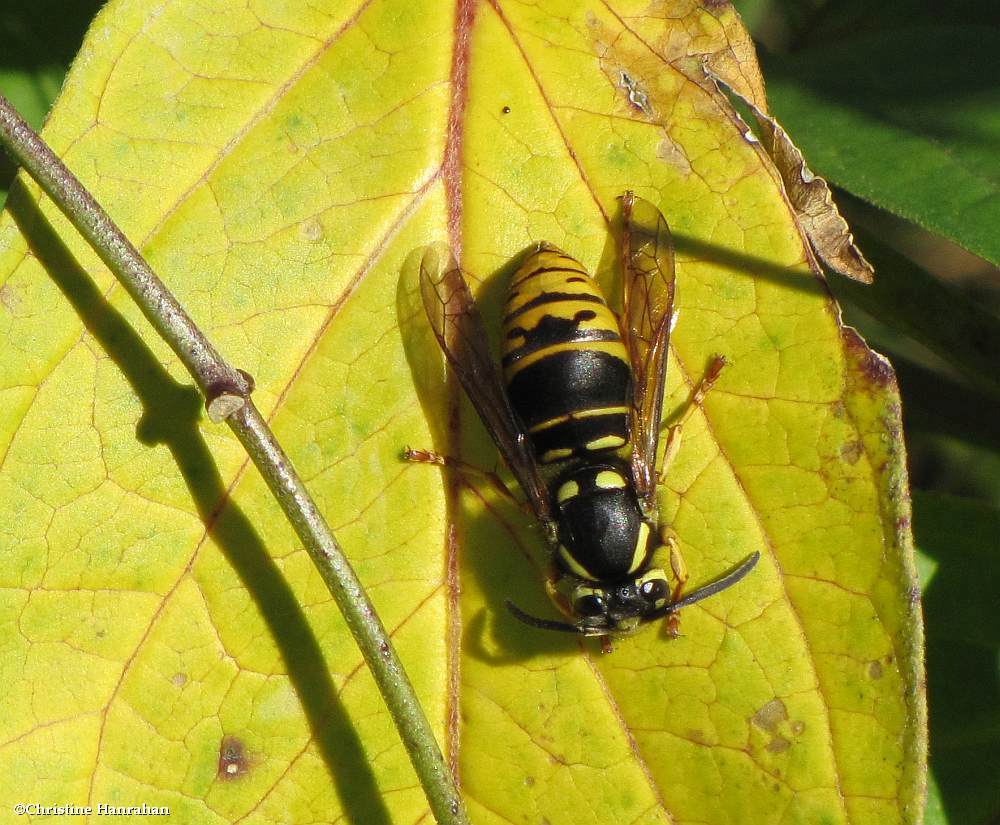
(170, 417)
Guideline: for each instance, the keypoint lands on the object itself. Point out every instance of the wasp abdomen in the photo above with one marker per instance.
(602, 535)
(565, 365)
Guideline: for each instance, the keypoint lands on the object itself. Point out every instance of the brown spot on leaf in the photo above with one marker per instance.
(233, 761)
(670, 152)
(770, 718)
(696, 735)
(770, 715)
(312, 230)
(778, 745)
(179, 679)
(529, 781)
(9, 298)
(851, 452)
(798, 726)
(873, 366)
(874, 670)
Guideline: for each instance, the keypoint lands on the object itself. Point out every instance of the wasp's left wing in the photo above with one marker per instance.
(648, 282)
(460, 332)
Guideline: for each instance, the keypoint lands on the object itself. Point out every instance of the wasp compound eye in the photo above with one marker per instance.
(590, 605)
(654, 589)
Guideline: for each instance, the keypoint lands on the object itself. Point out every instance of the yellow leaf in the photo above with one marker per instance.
(282, 166)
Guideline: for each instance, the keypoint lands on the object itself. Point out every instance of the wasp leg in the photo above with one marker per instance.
(668, 538)
(430, 457)
(606, 645)
(557, 597)
(678, 566)
(672, 626)
(674, 431)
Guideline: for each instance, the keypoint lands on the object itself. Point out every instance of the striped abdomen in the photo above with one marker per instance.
(565, 365)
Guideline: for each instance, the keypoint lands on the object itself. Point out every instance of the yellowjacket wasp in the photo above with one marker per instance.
(575, 413)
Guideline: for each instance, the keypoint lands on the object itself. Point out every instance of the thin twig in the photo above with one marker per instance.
(227, 392)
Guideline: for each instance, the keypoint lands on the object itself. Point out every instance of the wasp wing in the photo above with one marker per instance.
(648, 283)
(459, 329)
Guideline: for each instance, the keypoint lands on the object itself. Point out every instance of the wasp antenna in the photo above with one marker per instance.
(719, 584)
(544, 624)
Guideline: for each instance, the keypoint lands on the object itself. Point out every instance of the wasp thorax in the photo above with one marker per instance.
(603, 535)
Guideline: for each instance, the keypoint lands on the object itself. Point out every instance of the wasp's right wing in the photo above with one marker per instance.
(648, 263)
(460, 332)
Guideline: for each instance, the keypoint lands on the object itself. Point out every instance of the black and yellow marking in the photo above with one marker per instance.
(567, 394)
(602, 532)
(566, 367)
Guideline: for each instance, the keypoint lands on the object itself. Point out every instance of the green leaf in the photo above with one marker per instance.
(40, 38)
(963, 646)
(908, 120)
(934, 813)
(283, 168)
(31, 92)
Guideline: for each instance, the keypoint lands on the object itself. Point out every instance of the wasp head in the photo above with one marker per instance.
(622, 607)
(619, 608)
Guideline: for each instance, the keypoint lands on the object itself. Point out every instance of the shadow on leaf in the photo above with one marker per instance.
(503, 570)
(170, 418)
